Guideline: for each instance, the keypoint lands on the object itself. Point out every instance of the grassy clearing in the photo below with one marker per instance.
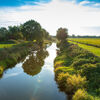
(88, 41)
(77, 72)
(92, 49)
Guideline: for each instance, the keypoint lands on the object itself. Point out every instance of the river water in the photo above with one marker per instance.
(32, 79)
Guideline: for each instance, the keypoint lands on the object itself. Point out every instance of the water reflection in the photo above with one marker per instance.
(17, 85)
(34, 63)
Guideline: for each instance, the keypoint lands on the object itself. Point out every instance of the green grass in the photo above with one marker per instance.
(6, 45)
(88, 41)
(94, 50)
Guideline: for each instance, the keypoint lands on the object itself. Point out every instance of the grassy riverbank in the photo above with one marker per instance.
(77, 72)
(10, 56)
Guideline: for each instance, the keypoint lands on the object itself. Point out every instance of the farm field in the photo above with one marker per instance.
(6, 45)
(92, 49)
(95, 50)
(88, 41)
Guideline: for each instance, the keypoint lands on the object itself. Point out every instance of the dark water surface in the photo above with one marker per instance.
(32, 79)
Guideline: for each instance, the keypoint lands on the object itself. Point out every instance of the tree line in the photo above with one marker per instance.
(29, 31)
(85, 36)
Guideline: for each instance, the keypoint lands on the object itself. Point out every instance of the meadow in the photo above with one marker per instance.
(88, 41)
(94, 50)
(81, 42)
(6, 45)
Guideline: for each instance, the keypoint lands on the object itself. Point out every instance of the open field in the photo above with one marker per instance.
(92, 49)
(6, 45)
(88, 41)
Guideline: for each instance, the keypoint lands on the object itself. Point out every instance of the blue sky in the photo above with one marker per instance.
(81, 17)
(96, 1)
(14, 3)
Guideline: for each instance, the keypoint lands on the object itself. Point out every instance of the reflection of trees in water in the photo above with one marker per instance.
(1, 75)
(32, 66)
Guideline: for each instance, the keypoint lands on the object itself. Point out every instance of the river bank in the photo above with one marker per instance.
(10, 56)
(77, 72)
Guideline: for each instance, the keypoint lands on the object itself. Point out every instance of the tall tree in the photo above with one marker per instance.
(32, 30)
(62, 34)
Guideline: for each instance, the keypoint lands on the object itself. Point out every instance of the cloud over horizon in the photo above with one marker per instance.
(78, 18)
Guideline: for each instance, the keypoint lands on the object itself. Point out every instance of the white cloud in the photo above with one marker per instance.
(84, 2)
(53, 15)
(97, 5)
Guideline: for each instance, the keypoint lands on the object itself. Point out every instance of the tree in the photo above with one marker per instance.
(45, 34)
(62, 34)
(15, 32)
(3, 34)
(32, 31)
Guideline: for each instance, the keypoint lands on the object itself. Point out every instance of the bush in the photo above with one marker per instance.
(79, 62)
(63, 69)
(92, 73)
(58, 63)
(1, 70)
(81, 94)
(74, 82)
(62, 77)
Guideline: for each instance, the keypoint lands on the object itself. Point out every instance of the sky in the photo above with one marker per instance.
(81, 17)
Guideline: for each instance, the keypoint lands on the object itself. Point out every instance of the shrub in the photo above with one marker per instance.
(1, 69)
(58, 63)
(92, 73)
(81, 94)
(79, 62)
(74, 82)
(62, 77)
(64, 69)
(86, 55)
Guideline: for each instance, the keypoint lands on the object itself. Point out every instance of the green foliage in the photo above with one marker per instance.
(62, 34)
(92, 49)
(88, 41)
(10, 56)
(29, 31)
(6, 45)
(79, 62)
(32, 30)
(1, 69)
(74, 82)
(64, 69)
(3, 34)
(15, 33)
(61, 79)
(81, 94)
(83, 68)
(35, 62)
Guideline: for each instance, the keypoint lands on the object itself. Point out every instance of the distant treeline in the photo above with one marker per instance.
(30, 30)
(86, 36)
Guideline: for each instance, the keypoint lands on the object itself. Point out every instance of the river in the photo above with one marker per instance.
(32, 79)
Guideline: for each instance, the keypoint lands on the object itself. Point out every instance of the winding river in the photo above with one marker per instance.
(32, 79)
